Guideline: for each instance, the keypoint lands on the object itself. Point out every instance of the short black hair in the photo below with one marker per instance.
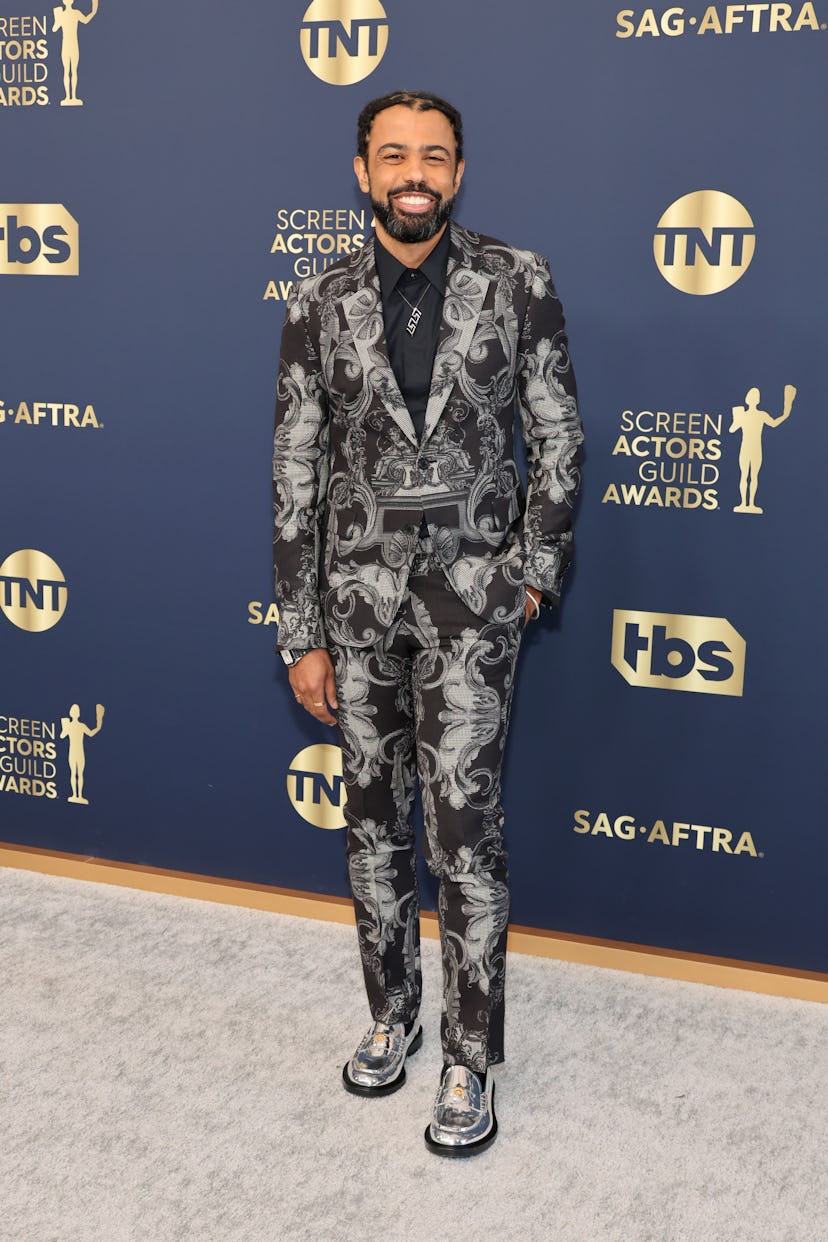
(421, 101)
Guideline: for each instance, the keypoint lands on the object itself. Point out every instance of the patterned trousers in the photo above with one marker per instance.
(432, 699)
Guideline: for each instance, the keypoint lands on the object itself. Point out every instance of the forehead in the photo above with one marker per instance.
(411, 128)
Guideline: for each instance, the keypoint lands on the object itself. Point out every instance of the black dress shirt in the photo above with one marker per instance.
(412, 354)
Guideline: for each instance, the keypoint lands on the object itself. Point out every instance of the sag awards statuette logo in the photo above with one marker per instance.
(669, 651)
(751, 422)
(674, 459)
(663, 832)
(704, 242)
(33, 591)
(73, 728)
(67, 19)
(29, 750)
(342, 41)
(315, 785)
(24, 55)
(37, 239)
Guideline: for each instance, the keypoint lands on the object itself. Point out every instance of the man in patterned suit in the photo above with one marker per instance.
(408, 560)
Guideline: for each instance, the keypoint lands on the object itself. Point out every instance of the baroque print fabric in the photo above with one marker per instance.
(424, 634)
(352, 481)
(431, 699)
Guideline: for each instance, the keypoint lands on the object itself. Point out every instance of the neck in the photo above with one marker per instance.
(411, 254)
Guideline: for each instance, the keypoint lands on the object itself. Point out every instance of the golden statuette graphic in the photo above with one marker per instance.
(67, 19)
(752, 421)
(72, 726)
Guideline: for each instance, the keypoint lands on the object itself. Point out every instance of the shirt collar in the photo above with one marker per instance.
(390, 270)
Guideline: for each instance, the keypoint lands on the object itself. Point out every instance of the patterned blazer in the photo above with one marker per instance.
(351, 480)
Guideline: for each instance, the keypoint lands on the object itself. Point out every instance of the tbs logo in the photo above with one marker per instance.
(668, 651)
(37, 239)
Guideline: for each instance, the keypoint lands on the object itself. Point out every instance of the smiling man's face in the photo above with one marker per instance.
(412, 173)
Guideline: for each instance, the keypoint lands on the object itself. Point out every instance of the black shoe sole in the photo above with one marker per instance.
(388, 1088)
(460, 1151)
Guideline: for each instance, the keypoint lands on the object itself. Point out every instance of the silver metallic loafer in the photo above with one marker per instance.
(463, 1122)
(378, 1065)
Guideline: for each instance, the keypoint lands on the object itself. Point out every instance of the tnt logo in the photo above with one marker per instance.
(669, 651)
(343, 41)
(37, 239)
(33, 591)
(704, 242)
(316, 787)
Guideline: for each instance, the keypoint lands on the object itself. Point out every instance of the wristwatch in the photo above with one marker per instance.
(293, 655)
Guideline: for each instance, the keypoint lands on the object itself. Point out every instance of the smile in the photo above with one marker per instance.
(413, 203)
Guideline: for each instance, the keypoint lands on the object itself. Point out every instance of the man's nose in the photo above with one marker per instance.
(414, 169)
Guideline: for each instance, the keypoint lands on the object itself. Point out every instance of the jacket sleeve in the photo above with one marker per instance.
(552, 435)
(300, 477)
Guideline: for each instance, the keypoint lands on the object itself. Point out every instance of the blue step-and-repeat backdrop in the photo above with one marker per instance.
(167, 171)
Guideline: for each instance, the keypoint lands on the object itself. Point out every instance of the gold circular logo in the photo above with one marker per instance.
(704, 242)
(315, 785)
(33, 590)
(343, 41)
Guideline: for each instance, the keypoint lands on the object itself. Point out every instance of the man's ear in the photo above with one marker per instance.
(458, 176)
(361, 173)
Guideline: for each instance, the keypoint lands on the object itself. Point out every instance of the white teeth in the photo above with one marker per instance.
(413, 200)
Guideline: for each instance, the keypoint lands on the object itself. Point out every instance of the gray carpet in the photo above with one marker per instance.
(170, 1070)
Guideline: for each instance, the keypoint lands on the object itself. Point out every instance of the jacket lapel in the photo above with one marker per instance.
(363, 313)
(465, 294)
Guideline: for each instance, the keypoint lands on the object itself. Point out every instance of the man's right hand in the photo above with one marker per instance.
(312, 682)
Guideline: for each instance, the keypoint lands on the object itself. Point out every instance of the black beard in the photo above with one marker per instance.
(413, 228)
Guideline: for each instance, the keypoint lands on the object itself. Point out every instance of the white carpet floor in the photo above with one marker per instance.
(170, 1071)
